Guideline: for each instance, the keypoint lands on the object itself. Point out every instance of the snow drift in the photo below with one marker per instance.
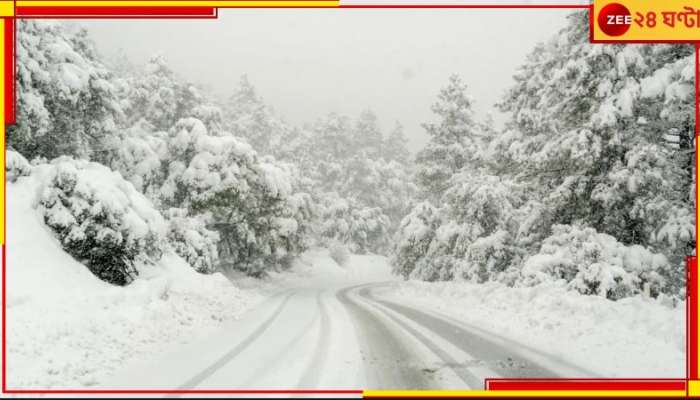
(634, 337)
(67, 328)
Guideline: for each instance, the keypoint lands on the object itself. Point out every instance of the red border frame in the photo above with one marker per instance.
(496, 384)
(115, 12)
(585, 384)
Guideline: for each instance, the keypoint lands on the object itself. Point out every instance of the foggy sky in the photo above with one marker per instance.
(307, 63)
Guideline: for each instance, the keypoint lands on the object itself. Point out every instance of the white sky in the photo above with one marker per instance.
(307, 63)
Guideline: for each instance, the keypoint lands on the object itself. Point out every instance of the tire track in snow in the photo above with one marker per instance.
(311, 376)
(290, 345)
(377, 342)
(242, 345)
(505, 362)
(471, 380)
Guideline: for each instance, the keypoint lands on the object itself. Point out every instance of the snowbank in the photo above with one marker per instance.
(628, 338)
(316, 268)
(66, 328)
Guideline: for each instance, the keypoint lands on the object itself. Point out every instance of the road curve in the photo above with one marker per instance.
(508, 359)
(343, 338)
(388, 360)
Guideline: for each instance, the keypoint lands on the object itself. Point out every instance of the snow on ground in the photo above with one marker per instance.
(67, 328)
(316, 269)
(629, 338)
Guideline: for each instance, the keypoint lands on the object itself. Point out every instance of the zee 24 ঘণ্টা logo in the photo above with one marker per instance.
(650, 19)
(614, 19)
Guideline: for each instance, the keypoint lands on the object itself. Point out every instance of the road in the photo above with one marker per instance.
(345, 338)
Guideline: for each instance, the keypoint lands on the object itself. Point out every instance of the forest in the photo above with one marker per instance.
(590, 183)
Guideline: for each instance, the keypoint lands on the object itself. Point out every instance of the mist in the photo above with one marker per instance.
(308, 63)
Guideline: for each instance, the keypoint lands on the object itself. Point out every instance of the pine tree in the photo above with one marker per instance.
(592, 138)
(394, 147)
(600, 135)
(158, 96)
(453, 140)
(367, 138)
(246, 115)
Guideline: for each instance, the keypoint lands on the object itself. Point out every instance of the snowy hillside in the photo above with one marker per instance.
(69, 328)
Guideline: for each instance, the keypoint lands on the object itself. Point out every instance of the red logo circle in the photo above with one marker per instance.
(614, 19)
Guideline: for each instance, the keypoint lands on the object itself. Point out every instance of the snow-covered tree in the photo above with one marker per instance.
(260, 219)
(481, 210)
(331, 137)
(158, 96)
(413, 239)
(377, 183)
(344, 163)
(598, 151)
(66, 99)
(246, 115)
(363, 229)
(471, 236)
(453, 139)
(602, 136)
(394, 147)
(366, 135)
(139, 157)
(226, 205)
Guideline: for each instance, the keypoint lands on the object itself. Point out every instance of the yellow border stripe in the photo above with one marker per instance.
(524, 393)
(7, 8)
(693, 388)
(175, 3)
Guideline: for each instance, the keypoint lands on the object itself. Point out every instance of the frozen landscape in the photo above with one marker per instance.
(164, 236)
(320, 325)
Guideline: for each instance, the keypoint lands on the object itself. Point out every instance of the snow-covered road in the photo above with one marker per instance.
(319, 325)
(342, 337)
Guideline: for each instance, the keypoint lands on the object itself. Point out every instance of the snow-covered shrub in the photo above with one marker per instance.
(100, 219)
(488, 257)
(595, 263)
(368, 231)
(482, 204)
(362, 229)
(191, 240)
(472, 235)
(139, 156)
(437, 265)
(261, 220)
(294, 226)
(415, 234)
(15, 166)
(339, 253)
